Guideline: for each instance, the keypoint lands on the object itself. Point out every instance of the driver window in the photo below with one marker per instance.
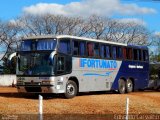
(60, 65)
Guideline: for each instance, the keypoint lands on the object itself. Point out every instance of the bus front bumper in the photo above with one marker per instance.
(39, 89)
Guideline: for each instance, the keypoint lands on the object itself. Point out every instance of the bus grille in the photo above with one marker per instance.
(33, 89)
(29, 83)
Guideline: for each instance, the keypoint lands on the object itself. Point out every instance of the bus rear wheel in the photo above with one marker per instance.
(121, 86)
(129, 86)
(71, 89)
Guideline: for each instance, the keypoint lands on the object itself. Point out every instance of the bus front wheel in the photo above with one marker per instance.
(121, 86)
(71, 89)
(129, 86)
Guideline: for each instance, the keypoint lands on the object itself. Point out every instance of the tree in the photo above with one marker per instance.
(155, 48)
(8, 37)
(96, 27)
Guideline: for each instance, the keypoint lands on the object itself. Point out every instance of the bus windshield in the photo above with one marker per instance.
(39, 44)
(35, 64)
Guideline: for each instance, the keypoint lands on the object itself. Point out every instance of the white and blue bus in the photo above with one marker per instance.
(68, 64)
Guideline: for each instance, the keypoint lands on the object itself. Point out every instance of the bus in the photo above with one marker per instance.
(69, 65)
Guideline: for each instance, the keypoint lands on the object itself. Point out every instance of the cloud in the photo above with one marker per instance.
(89, 7)
(157, 33)
(132, 20)
(1, 55)
(12, 21)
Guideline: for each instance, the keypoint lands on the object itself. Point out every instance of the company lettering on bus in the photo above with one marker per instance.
(97, 63)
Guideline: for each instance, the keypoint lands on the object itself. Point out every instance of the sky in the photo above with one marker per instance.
(145, 12)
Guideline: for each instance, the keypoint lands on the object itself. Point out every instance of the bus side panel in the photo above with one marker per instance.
(95, 74)
(138, 71)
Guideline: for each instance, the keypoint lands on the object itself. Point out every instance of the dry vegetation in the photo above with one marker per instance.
(146, 102)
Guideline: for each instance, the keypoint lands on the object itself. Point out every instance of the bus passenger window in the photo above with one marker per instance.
(102, 51)
(119, 52)
(139, 55)
(64, 46)
(145, 55)
(129, 53)
(105, 51)
(135, 54)
(26, 46)
(75, 47)
(125, 53)
(96, 49)
(108, 51)
(90, 49)
(114, 52)
(82, 48)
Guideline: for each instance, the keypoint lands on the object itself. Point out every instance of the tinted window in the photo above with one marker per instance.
(64, 46)
(26, 45)
(114, 52)
(105, 51)
(68, 64)
(90, 47)
(39, 44)
(75, 47)
(102, 51)
(137, 55)
(127, 53)
(60, 65)
(64, 64)
(35, 64)
(117, 52)
(46, 44)
(82, 48)
(145, 55)
(108, 51)
(96, 49)
(79, 48)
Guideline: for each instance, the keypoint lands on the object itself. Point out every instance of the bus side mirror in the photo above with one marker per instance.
(52, 58)
(11, 57)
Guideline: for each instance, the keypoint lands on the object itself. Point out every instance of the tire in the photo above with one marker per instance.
(129, 86)
(121, 86)
(141, 90)
(71, 89)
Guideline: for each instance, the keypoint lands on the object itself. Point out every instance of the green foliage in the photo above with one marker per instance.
(9, 68)
(155, 58)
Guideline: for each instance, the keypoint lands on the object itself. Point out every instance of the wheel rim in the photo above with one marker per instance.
(122, 87)
(70, 89)
(129, 85)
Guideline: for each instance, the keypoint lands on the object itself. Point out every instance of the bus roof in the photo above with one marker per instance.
(90, 39)
(72, 37)
(82, 38)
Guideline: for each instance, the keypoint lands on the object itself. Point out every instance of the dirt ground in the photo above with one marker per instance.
(101, 103)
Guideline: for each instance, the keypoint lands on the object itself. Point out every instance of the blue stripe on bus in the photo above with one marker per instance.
(95, 74)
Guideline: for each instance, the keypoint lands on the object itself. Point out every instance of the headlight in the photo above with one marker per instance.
(19, 82)
(45, 82)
